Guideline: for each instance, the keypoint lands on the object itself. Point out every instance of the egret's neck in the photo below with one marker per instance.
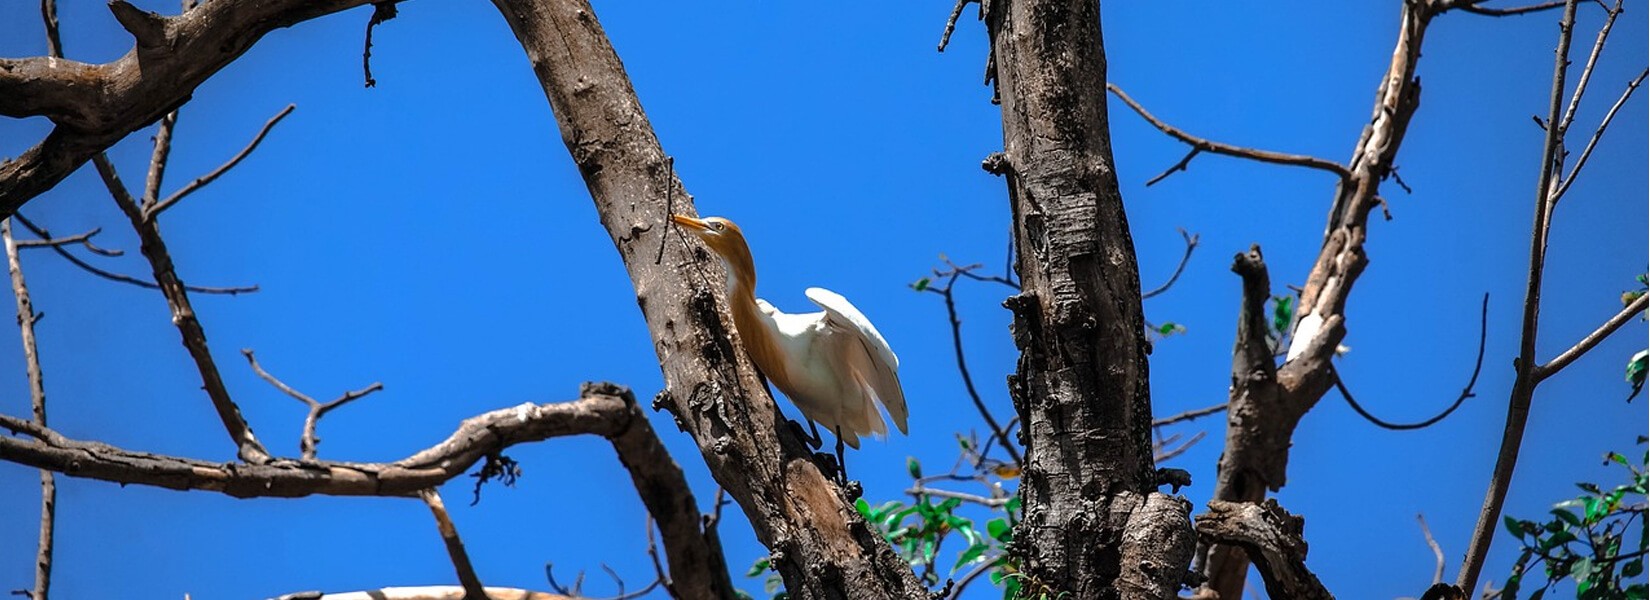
(755, 330)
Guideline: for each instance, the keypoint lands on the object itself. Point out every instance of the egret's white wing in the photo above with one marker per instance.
(862, 349)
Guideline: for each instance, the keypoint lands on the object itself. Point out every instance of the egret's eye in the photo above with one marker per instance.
(716, 226)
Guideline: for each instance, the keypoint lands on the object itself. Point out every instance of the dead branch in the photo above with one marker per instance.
(1473, 7)
(1189, 415)
(1273, 540)
(1191, 244)
(598, 414)
(1199, 144)
(1592, 142)
(1437, 552)
(1466, 392)
(94, 106)
(1592, 340)
(308, 441)
(248, 448)
(473, 589)
(26, 318)
(116, 277)
(152, 208)
(999, 433)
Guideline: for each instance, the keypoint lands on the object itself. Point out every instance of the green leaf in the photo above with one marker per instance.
(1013, 505)
(1512, 526)
(758, 567)
(1011, 588)
(1567, 516)
(741, 595)
(1283, 311)
(970, 556)
(964, 443)
(1169, 328)
(998, 529)
(928, 549)
(1558, 539)
(771, 586)
(1641, 279)
(1632, 568)
(949, 504)
(864, 509)
(1594, 510)
(1539, 594)
(921, 284)
(1636, 367)
(996, 577)
(913, 467)
(1580, 569)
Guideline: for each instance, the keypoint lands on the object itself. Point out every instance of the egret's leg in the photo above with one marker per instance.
(841, 464)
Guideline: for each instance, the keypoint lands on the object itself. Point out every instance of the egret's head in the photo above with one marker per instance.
(721, 235)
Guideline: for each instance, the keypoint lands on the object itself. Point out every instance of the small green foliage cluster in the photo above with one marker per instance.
(1583, 540)
(1639, 363)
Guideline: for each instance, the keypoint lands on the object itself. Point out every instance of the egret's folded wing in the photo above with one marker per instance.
(865, 351)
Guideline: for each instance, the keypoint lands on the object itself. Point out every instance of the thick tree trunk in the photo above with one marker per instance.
(819, 544)
(1081, 384)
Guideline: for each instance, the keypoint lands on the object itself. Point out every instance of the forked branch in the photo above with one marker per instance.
(1199, 144)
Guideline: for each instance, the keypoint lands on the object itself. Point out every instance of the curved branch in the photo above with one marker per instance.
(1272, 539)
(1204, 145)
(599, 413)
(1466, 392)
(95, 106)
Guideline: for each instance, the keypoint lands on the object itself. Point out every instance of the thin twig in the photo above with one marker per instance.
(81, 238)
(473, 589)
(1466, 392)
(1437, 552)
(1597, 134)
(1189, 415)
(1205, 145)
(1191, 244)
(158, 160)
(308, 442)
(1159, 457)
(1507, 12)
(965, 497)
(962, 365)
(985, 565)
(1592, 340)
(117, 277)
(152, 210)
(670, 206)
(1587, 71)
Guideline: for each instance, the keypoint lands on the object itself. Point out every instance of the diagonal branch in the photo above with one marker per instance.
(1199, 144)
(1592, 340)
(473, 589)
(1473, 7)
(248, 448)
(1191, 244)
(1592, 142)
(153, 208)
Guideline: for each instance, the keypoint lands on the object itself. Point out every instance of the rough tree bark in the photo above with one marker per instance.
(1081, 384)
(820, 545)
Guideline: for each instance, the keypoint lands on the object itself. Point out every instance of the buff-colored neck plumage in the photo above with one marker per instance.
(755, 332)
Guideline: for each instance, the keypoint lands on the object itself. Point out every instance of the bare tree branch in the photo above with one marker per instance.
(183, 316)
(95, 106)
(1592, 142)
(473, 589)
(1437, 552)
(117, 277)
(1188, 415)
(153, 208)
(1473, 7)
(432, 592)
(308, 441)
(1191, 244)
(26, 318)
(999, 433)
(1526, 368)
(1592, 340)
(1466, 392)
(1204, 145)
(603, 415)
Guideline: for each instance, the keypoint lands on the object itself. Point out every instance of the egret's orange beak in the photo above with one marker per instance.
(691, 223)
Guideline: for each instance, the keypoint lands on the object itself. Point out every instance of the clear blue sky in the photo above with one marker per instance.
(432, 234)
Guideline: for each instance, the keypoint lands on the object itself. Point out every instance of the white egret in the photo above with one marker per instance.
(832, 364)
